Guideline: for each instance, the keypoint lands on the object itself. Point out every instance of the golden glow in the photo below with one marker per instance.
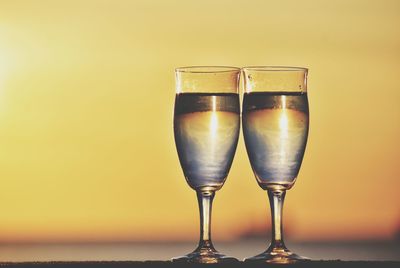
(283, 122)
(284, 128)
(283, 119)
(86, 102)
(283, 101)
(214, 119)
(214, 103)
(214, 124)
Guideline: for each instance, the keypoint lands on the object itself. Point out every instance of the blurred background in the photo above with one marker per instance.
(88, 165)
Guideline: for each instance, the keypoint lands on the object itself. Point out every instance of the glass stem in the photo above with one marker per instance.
(276, 199)
(205, 199)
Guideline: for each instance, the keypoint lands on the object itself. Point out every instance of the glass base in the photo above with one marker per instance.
(205, 255)
(278, 256)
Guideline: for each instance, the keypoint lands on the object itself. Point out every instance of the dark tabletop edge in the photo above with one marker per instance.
(132, 264)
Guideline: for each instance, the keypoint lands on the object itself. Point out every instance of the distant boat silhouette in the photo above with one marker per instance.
(258, 230)
(397, 234)
(255, 230)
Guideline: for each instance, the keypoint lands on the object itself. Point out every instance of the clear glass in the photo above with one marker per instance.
(206, 128)
(275, 120)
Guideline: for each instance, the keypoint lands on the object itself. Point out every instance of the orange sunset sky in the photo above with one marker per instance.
(86, 102)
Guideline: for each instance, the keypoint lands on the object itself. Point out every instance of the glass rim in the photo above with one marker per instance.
(207, 69)
(275, 68)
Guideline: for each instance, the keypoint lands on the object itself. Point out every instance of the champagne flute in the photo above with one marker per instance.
(206, 128)
(275, 128)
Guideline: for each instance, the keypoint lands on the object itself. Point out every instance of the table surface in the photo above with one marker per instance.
(132, 264)
(96, 252)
